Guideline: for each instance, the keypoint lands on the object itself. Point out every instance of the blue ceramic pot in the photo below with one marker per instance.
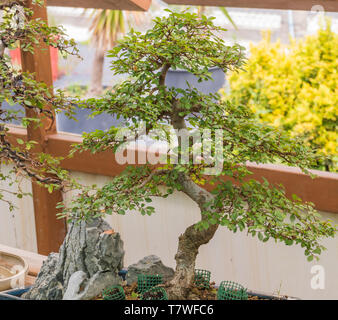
(13, 294)
(175, 78)
(84, 123)
(180, 78)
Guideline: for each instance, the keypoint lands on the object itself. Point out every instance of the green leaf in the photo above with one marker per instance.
(121, 211)
(310, 258)
(20, 141)
(50, 188)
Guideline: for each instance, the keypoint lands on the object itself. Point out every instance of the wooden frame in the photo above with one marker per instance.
(50, 231)
(328, 5)
(136, 5)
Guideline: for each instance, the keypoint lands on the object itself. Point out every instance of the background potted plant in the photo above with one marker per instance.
(107, 27)
(183, 79)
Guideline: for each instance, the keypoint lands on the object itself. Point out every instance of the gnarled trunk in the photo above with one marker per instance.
(189, 243)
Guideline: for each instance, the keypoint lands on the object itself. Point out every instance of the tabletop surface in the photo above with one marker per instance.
(33, 259)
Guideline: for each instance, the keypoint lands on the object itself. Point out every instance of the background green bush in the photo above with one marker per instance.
(295, 87)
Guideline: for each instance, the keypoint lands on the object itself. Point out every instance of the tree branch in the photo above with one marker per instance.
(163, 75)
(194, 191)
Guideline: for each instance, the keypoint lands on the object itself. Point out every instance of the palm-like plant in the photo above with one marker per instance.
(201, 11)
(107, 26)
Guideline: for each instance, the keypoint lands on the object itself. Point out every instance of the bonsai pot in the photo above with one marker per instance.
(175, 78)
(181, 78)
(13, 270)
(84, 123)
(13, 294)
(267, 296)
(21, 112)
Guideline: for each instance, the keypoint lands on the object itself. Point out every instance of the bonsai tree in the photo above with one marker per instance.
(23, 93)
(186, 41)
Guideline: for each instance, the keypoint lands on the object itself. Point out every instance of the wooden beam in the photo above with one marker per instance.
(328, 5)
(136, 5)
(322, 191)
(50, 231)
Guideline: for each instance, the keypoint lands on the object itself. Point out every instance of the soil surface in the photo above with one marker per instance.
(153, 295)
(196, 293)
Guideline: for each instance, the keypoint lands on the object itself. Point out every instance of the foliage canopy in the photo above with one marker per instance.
(186, 41)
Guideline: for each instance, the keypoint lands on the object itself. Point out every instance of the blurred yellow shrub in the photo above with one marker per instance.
(295, 87)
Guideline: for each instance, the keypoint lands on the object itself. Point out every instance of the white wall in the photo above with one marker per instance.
(17, 228)
(268, 267)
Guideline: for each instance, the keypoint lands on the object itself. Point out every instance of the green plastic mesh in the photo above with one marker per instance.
(155, 293)
(229, 290)
(202, 278)
(147, 281)
(114, 293)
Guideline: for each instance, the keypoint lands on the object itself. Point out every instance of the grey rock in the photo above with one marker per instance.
(80, 288)
(47, 279)
(149, 265)
(88, 261)
(75, 284)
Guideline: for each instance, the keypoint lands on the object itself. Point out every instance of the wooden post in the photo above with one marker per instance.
(50, 231)
(328, 5)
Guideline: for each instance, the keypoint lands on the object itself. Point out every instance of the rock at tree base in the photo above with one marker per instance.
(149, 265)
(88, 262)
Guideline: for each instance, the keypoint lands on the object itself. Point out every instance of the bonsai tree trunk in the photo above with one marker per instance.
(191, 240)
(189, 244)
(97, 73)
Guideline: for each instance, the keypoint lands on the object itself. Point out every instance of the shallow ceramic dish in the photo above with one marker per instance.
(13, 270)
